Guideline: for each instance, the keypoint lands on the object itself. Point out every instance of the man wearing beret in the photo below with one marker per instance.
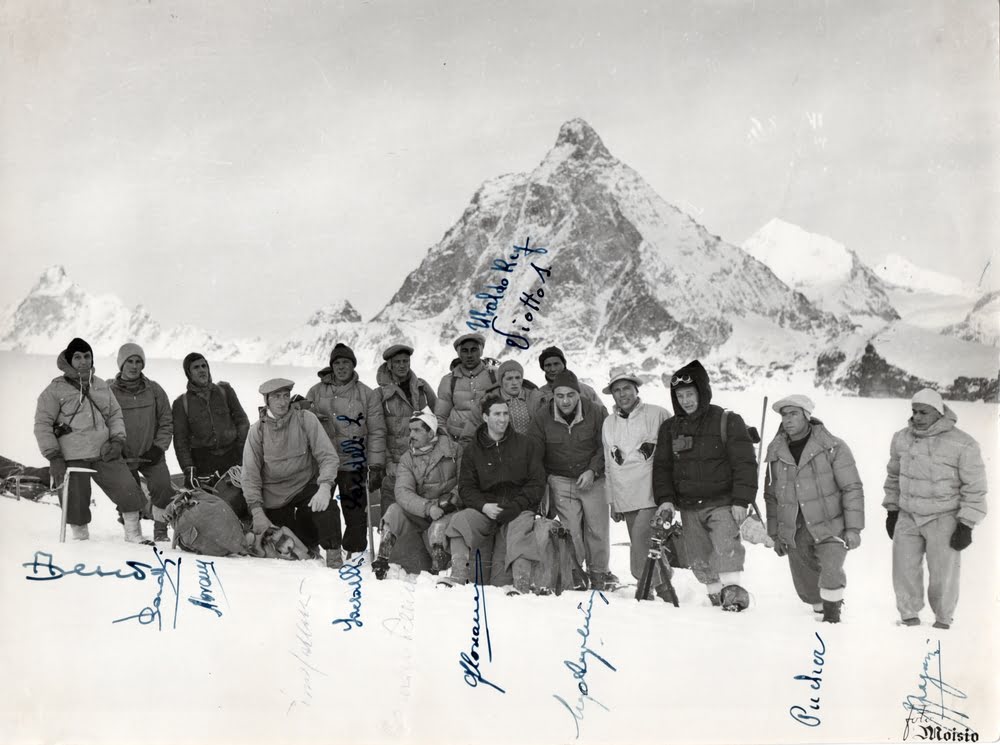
(210, 426)
(78, 423)
(149, 427)
(935, 494)
(553, 361)
(289, 470)
(463, 387)
(402, 394)
(815, 504)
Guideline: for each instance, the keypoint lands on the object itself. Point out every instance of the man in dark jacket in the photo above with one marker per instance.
(711, 478)
(210, 426)
(568, 433)
(501, 483)
(149, 427)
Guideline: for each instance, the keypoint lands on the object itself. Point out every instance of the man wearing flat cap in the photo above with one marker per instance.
(463, 387)
(289, 470)
(553, 361)
(629, 440)
(402, 394)
(935, 494)
(815, 504)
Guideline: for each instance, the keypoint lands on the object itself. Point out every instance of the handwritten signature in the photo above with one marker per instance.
(922, 709)
(304, 636)
(152, 613)
(579, 668)
(532, 303)
(799, 713)
(486, 318)
(44, 561)
(205, 599)
(470, 662)
(351, 574)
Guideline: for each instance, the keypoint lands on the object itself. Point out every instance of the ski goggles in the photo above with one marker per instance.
(682, 380)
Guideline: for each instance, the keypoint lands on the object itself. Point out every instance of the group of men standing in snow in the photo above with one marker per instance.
(465, 470)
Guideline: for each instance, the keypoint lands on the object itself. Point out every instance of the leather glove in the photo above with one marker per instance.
(57, 470)
(666, 512)
(739, 513)
(111, 450)
(890, 521)
(375, 476)
(779, 547)
(852, 538)
(962, 537)
(435, 512)
(321, 499)
(616, 453)
(647, 449)
(191, 478)
(260, 521)
(154, 455)
(616, 516)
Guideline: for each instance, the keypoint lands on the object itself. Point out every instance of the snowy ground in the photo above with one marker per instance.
(274, 668)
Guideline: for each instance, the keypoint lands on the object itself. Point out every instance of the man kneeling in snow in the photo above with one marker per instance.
(289, 468)
(502, 480)
(426, 494)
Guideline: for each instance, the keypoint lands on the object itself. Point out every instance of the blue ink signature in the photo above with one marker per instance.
(579, 669)
(304, 636)
(799, 713)
(926, 709)
(152, 613)
(43, 560)
(205, 598)
(480, 317)
(533, 304)
(351, 573)
(470, 662)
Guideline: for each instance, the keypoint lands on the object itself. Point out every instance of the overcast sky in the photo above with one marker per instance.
(236, 165)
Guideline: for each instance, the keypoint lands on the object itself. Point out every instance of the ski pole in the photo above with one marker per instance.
(760, 451)
(65, 497)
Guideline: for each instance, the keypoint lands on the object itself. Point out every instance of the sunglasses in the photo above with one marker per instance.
(679, 379)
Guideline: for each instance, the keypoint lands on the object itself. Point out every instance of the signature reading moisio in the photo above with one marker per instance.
(470, 662)
(579, 669)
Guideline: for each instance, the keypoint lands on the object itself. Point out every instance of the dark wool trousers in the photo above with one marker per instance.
(312, 528)
(351, 488)
(208, 462)
(115, 480)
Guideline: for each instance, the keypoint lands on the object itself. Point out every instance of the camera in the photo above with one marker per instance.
(682, 443)
(61, 429)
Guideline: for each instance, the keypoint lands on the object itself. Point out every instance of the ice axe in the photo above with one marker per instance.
(65, 497)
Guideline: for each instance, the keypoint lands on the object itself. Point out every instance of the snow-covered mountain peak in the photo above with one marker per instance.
(53, 281)
(902, 272)
(577, 142)
(797, 256)
(334, 313)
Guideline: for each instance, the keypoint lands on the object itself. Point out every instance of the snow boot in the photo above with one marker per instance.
(909, 622)
(133, 529)
(160, 532)
(580, 580)
(439, 559)
(831, 610)
(80, 532)
(734, 598)
(522, 577)
(381, 564)
(611, 581)
(942, 625)
(334, 559)
(459, 563)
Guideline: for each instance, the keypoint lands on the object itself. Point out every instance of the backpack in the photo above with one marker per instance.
(204, 524)
(557, 567)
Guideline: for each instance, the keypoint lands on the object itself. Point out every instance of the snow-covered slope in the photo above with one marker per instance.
(56, 309)
(982, 325)
(825, 271)
(902, 272)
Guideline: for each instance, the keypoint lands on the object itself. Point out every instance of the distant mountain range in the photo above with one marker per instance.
(612, 274)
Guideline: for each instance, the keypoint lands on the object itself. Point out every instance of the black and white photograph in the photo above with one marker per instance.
(499, 372)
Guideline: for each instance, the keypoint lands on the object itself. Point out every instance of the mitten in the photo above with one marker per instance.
(154, 455)
(779, 547)
(111, 450)
(647, 449)
(435, 512)
(962, 537)
(852, 538)
(890, 521)
(375, 476)
(616, 453)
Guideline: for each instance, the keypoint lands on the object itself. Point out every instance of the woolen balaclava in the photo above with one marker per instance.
(190, 360)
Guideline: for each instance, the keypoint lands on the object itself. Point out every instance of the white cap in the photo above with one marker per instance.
(930, 397)
(797, 399)
(427, 417)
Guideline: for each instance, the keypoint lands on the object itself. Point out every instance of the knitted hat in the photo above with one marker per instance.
(930, 397)
(550, 352)
(77, 345)
(567, 380)
(507, 366)
(803, 402)
(427, 417)
(190, 360)
(396, 349)
(343, 352)
(130, 350)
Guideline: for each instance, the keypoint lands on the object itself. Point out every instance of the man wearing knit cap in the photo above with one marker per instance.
(78, 423)
(463, 387)
(149, 427)
(522, 402)
(553, 361)
(402, 394)
(935, 494)
(289, 469)
(815, 504)
(568, 432)
(426, 495)
(210, 426)
(351, 414)
(629, 441)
